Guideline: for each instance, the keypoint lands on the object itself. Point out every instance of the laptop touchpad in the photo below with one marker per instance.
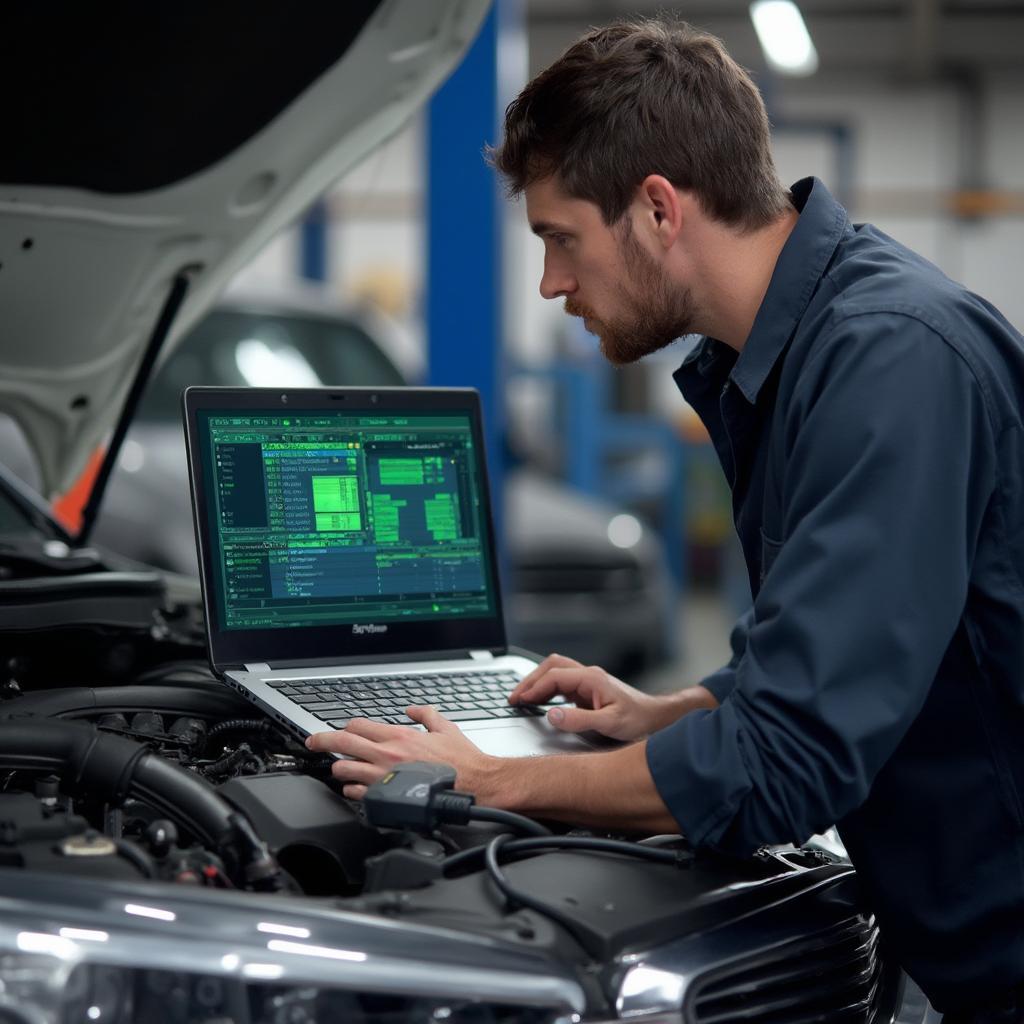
(530, 738)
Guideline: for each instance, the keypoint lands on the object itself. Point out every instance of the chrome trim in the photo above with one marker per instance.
(217, 933)
(659, 980)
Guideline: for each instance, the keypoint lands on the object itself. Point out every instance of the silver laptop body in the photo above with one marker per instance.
(348, 562)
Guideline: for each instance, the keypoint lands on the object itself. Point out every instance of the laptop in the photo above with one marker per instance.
(347, 559)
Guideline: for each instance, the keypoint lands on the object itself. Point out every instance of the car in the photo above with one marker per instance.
(168, 853)
(572, 589)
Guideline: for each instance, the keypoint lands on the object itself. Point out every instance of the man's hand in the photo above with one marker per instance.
(380, 747)
(611, 789)
(603, 703)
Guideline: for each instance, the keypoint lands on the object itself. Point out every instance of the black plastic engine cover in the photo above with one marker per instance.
(316, 834)
(621, 904)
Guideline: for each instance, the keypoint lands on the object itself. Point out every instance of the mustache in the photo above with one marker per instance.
(573, 308)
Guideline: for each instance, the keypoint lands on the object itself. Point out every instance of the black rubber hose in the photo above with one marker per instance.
(111, 768)
(209, 700)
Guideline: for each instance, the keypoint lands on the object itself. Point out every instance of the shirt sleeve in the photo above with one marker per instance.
(721, 682)
(889, 469)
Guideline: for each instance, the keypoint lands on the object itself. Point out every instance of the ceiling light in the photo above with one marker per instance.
(784, 37)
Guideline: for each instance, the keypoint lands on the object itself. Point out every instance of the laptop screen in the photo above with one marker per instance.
(322, 518)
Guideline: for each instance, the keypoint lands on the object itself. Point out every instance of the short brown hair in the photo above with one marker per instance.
(642, 97)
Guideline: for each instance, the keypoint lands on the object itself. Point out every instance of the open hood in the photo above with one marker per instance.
(152, 147)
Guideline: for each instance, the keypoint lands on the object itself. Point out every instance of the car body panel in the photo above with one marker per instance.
(85, 274)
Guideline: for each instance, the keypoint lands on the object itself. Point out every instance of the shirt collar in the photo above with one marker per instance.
(799, 268)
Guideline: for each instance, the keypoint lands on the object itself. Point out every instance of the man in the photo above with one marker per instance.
(867, 414)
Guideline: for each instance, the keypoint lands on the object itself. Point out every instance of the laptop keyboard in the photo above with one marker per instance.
(459, 696)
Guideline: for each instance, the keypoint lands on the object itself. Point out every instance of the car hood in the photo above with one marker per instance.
(152, 147)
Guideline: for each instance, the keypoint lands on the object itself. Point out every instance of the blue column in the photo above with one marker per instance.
(463, 216)
(313, 243)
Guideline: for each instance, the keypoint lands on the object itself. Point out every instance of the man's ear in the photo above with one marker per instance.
(662, 207)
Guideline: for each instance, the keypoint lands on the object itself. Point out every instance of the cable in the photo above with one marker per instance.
(246, 724)
(517, 898)
(512, 820)
(678, 858)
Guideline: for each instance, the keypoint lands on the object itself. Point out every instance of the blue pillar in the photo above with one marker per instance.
(463, 214)
(313, 243)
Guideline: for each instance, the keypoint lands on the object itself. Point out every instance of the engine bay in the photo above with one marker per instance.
(124, 761)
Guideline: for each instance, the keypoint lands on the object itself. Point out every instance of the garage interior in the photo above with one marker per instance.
(615, 540)
(914, 119)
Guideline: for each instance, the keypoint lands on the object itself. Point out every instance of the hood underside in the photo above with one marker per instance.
(153, 142)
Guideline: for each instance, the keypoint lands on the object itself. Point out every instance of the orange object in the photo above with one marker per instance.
(68, 507)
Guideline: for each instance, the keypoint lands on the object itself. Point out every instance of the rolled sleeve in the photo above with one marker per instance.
(889, 469)
(721, 682)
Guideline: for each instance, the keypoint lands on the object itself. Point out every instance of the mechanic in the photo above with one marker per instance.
(867, 413)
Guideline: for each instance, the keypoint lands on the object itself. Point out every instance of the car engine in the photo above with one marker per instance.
(128, 768)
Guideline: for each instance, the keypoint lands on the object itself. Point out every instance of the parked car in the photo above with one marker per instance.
(572, 587)
(168, 853)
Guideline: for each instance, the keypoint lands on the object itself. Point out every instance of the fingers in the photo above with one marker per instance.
(550, 662)
(579, 683)
(358, 771)
(332, 742)
(431, 718)
(348, 742)
(571, 719)
(358, 776)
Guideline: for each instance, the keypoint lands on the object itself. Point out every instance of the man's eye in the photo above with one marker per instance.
(560, 240)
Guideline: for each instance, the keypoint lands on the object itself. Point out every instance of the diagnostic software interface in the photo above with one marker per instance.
(323, 518)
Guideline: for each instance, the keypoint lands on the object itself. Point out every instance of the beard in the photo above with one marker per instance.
(655, 311)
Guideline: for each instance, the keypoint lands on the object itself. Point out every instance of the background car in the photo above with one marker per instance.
(578, 584)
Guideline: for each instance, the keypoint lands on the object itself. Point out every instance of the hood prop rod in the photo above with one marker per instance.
(169, 310)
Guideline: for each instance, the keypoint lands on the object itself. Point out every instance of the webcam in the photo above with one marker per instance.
(284, 399)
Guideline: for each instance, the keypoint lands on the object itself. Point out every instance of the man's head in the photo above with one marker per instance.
(627, 105)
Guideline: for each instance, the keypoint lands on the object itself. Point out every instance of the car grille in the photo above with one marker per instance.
(833, 976)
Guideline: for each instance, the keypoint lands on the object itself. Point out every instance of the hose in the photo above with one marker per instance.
(205, 700)
(112, 768)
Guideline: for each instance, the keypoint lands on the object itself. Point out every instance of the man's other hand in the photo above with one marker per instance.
(603, 703)
(379, 747)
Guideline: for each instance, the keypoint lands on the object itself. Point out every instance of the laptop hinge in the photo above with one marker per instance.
(257, 667)
(482, 655)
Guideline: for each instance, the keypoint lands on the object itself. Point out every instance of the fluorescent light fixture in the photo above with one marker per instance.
(784, 37)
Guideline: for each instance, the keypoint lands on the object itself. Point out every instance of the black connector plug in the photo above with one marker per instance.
(417, 795)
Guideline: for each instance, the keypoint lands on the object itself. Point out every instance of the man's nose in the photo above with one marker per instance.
(555, 282)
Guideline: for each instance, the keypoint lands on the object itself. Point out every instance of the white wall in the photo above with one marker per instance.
(906, 165)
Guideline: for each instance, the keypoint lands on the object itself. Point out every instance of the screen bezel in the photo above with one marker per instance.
(233, 648)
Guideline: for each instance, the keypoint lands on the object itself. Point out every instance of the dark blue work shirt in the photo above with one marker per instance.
(871, 434)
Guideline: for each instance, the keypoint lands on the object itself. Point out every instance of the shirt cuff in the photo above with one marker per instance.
(720, 684)
(700, 774)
